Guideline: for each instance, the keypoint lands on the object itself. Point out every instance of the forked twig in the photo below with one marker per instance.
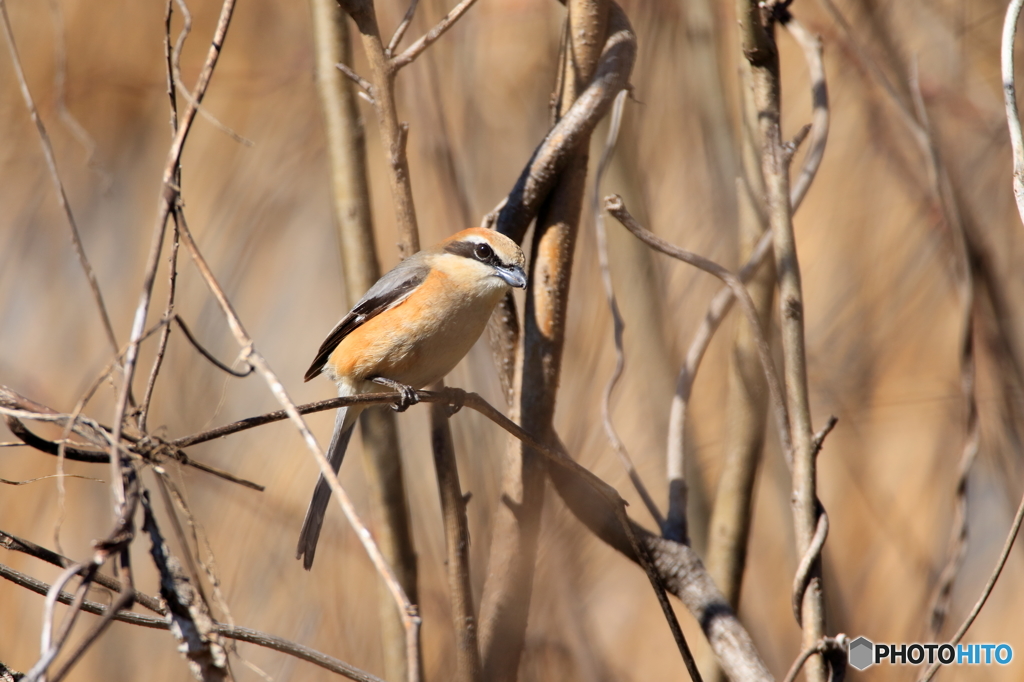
(614, 205)
(240, 634)
(417, 48)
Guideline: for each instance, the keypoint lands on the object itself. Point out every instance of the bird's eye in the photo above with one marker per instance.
(484, 252)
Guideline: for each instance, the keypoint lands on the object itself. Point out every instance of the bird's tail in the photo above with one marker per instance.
(344, 425)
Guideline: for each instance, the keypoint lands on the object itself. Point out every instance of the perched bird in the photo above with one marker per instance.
(409, 330)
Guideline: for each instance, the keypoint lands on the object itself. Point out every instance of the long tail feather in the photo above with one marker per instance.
(344, 425)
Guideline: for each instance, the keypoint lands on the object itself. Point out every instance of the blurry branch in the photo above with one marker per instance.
(747, 400)
(730, 521)
(592, 501)
(366, 85)
(230, 631)
(618, 325)
(456, 538)
(60, 74)
(762, 53)
(393, 134)
(410, 617)
(505, 604)
(542, 170)
(400, 30)
(613, 204)
(187, 610)
(414, 50)
(15, 408)
(51, 164)
(1010, 95)
(914, 116)
(115, 545)
(169, 196)
(346, 147)
(172, 96)
(987, 590)
(810, 44)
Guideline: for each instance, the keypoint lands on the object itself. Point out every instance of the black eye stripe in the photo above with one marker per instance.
(468, 249)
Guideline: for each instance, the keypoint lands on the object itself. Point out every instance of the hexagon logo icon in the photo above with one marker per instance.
(862, 652)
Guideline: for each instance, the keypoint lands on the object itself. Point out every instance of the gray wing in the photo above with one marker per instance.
(390, 290)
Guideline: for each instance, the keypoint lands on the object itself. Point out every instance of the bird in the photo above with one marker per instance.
(408, 331)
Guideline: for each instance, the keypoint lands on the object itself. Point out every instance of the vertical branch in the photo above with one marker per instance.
(392, 133)
(505, 606)
(346, 145)
(730, 522)
(168, 199)
(1010, 95)
(747, 398)
(762, 53)
(165, 333)
(456, 536)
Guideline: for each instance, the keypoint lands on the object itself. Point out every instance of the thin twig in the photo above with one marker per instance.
(356, 78)
(840, 643)
(811, 46)
(618, 325)
(403, 26)
(1010, 95)
(165, 335)
(417, 48)
(410, 616)
(168, 198)
(231, 631)
(16, 544)
(989, 585)
(614, 205)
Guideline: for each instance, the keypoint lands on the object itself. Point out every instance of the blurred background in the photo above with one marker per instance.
(883, 317)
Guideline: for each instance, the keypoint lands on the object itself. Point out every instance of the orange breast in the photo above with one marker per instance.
(420, 340)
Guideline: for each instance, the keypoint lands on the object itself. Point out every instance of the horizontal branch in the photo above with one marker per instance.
(231, 631)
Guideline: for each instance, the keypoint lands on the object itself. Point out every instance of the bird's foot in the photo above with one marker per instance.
(456, 398)
(407, 398)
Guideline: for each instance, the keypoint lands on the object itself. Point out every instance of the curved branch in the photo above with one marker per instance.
(539, 176)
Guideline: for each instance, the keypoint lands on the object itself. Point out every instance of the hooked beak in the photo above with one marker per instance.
(514, 276)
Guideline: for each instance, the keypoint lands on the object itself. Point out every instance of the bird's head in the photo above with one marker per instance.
(490, 253)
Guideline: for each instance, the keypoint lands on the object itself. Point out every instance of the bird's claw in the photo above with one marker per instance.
(407, 394)
(408, 398)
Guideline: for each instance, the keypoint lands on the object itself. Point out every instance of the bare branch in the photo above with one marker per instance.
(456, 537)
(403, 26)
(168, 198)
(417, 48)
(614, 205)
(987, 590)
(366, 85)
(1010, 95)
(551, 155)
(811, 46)
(410, 617)
(618, 325)
(231, 631)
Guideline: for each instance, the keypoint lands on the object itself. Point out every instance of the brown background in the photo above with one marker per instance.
(881, 308)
